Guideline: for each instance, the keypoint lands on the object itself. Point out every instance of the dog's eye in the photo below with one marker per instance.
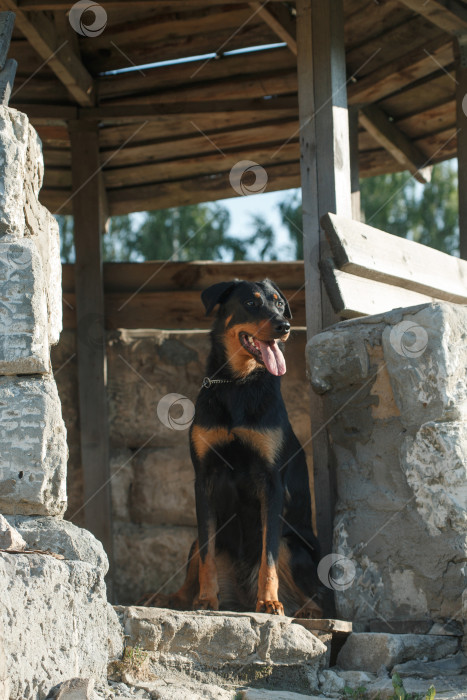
(249, 303)
(280, 304)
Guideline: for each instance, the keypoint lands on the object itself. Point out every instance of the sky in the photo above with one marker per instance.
(266, 205)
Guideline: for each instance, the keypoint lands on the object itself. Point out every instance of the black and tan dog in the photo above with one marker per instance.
(255, 549)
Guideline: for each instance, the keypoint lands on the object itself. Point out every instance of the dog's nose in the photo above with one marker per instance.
(282, 327)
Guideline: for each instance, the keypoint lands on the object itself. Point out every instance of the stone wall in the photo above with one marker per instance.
(53, 607)
(152, 476)
(396, 387)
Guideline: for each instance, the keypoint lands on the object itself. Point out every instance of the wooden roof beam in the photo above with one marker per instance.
(386, 133)
(449, 15)
(174, 5)
(279, 19)
(55, 46)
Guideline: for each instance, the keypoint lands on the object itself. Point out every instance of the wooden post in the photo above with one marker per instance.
(325, 173)
(88, 206)
(354, 166)
(461, 99)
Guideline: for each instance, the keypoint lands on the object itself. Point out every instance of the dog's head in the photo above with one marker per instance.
(251, 319)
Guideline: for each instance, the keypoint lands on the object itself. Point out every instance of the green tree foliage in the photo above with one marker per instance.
(398, 204)
(427, 213)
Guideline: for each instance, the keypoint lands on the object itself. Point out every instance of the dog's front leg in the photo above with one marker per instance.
(208, 597)
(268, 580)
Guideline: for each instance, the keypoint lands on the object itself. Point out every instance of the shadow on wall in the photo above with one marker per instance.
(152, 475)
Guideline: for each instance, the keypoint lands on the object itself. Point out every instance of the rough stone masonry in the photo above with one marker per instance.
(53, 610)
(396, 387)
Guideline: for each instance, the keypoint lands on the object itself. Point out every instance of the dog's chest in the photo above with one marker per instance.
(265, 442)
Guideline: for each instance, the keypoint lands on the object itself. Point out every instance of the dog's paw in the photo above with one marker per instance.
(273, 607)
(208, 603)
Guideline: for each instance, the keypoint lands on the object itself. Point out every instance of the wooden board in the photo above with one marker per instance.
(325, 625)
(164, 276)
(376, 255)
(352, 296)
(88, 206)
(165, 310)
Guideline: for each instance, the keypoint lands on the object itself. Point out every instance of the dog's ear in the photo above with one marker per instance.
(287, 311)
(216, 294)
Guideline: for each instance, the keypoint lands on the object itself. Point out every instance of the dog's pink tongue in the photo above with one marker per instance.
(272, 357)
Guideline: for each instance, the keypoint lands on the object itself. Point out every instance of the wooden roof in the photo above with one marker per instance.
(169, 135)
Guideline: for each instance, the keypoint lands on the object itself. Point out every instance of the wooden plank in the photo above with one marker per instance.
(325, 625)
(281, 21)
(7, 78)
(354, 164)
(87, 202)
(193, 167)
(461, 107)
(174, 310)
(7, 23)
(162, 5)
(377, 123)
(202, 189)
(164, 80)
(448, 15)
(196, 144)
(352, 296)
(367, 252)
(194, 110)
(44, 114)
(396, 74)
(325, 176)
(54, 48)
(165, 276)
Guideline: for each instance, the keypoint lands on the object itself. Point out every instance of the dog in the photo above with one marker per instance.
(256, 549)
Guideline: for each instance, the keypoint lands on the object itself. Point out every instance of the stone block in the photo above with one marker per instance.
(162, 490)
(60, 537)
(395, 387)
(435, 465)
(24, 340)
(14, 141)
(76, 689)
(369, 651)
(10, 537)
(149, 558)
(451, 666)
(34, 452)
(54, 615)
(23, 220)
(229, 645)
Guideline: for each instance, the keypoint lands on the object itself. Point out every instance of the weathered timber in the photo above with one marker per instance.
(88, 208)
(461, 102)
(367, 252)
(353, 296)
(377, 123)
(280, 20)
(42, 34)
(7, 78)
(448, 15)
(7, 23)
(325, 176)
